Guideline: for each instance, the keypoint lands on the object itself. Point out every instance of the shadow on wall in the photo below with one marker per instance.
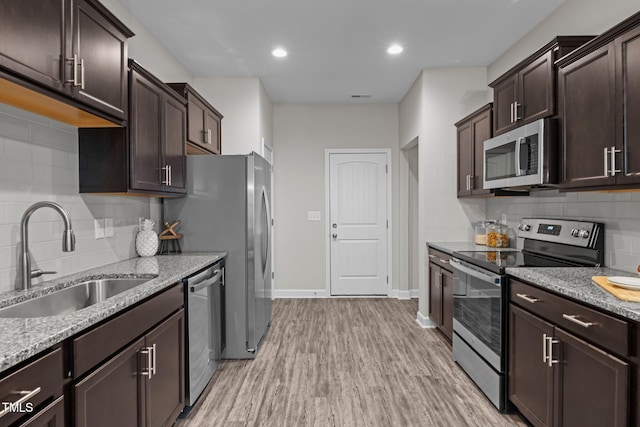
(472, 100)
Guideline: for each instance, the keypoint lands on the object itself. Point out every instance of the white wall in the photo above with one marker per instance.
(438, 99)
(301, 134)
(573, 17)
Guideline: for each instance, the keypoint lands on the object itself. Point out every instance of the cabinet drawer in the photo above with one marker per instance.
(45, 374)
(595, 326)
(440, 258)
(96, 345)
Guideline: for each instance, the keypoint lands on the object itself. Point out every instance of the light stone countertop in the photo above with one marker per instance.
(23, 338)
(575, 282)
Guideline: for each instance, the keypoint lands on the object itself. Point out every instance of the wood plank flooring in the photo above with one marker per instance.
(346, 362)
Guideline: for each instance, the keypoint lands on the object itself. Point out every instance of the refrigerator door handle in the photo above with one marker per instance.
(266, 246)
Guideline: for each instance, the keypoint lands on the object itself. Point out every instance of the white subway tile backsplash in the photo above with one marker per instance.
(39, 161)
(620, 212)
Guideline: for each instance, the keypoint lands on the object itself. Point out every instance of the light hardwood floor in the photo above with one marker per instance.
(346, 362)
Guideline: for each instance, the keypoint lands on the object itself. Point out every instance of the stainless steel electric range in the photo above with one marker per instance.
(480, 292)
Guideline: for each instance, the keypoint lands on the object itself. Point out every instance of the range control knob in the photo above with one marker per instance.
(584, 234)
(575, 232)
(524, 227)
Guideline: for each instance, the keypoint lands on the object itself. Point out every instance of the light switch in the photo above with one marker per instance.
(98, 226)
(313, 215)
(108, 227)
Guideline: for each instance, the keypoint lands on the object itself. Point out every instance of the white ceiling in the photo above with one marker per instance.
(337, 48)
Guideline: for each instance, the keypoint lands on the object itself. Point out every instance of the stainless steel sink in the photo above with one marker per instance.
(70, 299)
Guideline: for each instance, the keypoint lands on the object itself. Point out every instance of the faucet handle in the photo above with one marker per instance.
(39, 272)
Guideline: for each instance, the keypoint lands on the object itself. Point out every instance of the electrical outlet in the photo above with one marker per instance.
(108, 227)
(504, 218)
(98, 227)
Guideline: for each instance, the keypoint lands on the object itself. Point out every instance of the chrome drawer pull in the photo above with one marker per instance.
(431, 256)
(544, 348)
(574, 318)
(527, 298)
(148, 351)
(445, 261)
(550, 359)
(27, 395)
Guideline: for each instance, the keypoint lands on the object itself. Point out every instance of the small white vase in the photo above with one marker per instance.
(147, 239)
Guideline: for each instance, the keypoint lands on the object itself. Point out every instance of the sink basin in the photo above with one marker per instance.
(70, 299)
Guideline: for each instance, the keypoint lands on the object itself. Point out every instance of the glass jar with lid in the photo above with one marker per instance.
(480, 229)
(497, 236)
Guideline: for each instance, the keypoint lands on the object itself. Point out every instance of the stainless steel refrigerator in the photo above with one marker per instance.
(227, 209)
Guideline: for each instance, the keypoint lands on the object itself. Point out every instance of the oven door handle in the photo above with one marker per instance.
(485, 277)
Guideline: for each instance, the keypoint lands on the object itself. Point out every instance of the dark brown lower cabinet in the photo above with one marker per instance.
(142, 385)
(557, 379)
(50, 416)
(441, 299)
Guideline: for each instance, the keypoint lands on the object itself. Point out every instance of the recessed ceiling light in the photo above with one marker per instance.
(394, 49)
(279, 52)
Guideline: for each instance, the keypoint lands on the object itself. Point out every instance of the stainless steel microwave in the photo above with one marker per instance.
(525, 157)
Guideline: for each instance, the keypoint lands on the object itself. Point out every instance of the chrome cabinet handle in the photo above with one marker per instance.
(208, 136)
(606, 161)
(511, 108)
(574, 318)
(149, 372)
(167, 175)
(471, 182)
(613, 152)
(74, 80)
(82, 74)
(445, 261)
(516, 117)
(544, 348)
(550, 361)
(26, 395)
(527, 298)
(170, 175)
(153, 359)
(432, 256)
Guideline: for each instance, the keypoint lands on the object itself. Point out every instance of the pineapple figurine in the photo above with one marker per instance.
(147, 239)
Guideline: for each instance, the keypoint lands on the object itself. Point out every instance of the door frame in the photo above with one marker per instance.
(327, 213)
(267, 146)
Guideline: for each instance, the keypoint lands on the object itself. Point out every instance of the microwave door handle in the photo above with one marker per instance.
(519, 170)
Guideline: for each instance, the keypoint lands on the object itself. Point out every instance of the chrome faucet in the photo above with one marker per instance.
(24, 263)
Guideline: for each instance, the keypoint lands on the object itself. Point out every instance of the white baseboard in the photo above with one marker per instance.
(395, 293)
(415, 293)
(300, 293)
(424, 322)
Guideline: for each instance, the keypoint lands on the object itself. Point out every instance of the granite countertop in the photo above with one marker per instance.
(23, 338)
(451, 247)
(575, 282)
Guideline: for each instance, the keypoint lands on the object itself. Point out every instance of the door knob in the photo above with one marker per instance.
(334, 225)
(334, 235)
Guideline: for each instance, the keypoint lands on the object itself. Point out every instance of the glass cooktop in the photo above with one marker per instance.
(497, 260)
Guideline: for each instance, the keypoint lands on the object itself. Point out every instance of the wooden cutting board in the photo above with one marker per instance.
(620, 293)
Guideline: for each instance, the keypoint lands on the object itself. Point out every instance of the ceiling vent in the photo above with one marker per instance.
(360, 96)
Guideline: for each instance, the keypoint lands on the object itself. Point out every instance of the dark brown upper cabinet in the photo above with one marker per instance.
(472, 131)
(148, 158)
(64, 59)
(599, 99)
(204, 132)
(527, 92)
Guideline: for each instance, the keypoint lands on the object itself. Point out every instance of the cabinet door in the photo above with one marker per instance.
(587, 99)
(628, 101)
(212, 127)
(592, 386)
(536, 90)
(465, 158)
(113, 394)
(145, 134)
(50, 416)
(165, 388)
(504, 96)
(33, 39)
(481, 130)
(175, 117)
(530, 379)
(101, 52)
(195, 121)
(435, 294)
(447, 303)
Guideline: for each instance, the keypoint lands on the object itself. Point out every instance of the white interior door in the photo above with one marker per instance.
(358, 223)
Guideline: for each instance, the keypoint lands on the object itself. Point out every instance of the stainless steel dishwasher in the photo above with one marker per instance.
(205, 340)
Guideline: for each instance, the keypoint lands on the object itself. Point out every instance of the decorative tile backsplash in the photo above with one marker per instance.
(620, 212)
(39, 161)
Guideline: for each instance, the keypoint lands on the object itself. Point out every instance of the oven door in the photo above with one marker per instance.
(478, 310)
